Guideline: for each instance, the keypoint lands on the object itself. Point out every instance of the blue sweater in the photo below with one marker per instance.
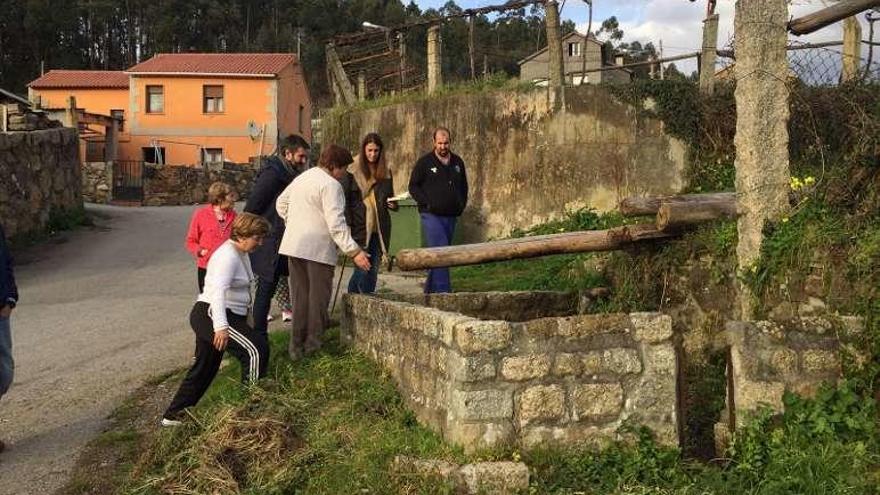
(8, 290)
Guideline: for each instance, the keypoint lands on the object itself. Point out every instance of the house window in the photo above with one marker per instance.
(300, 117)
(212, 101)
(155, 99)
(154, 154)
(213, 155)
(120, 116)
(574, 49)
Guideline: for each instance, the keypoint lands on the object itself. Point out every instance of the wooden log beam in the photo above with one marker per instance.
(650, 205)
(674, 215)
(829, 15)
(527, 247)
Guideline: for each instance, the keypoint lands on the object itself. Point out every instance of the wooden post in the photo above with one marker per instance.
(4, 118)
(435, 76)
(636, 206)
(527, 247)
(556, 76)
(708, 54)
(761, 140)
(852, 49)
(346, 91)
(829, 15)
(675, 216)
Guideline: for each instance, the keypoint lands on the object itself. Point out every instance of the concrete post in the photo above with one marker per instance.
(762, 174)
(71, 117)
(708, 55)
(435, 76)
(362, 87)
(852, 49)
(554, 49)
(401, 40)
(111, 140)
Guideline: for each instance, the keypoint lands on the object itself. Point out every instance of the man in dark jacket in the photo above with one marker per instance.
(438, 184)
(273, 178)
(8, 300)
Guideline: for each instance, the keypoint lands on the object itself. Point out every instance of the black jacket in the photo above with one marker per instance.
(270, 182)
(356, 211)
(8, 290)
(437, 188)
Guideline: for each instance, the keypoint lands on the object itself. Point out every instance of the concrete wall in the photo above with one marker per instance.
(39, 175)
(525, 163)
(559, 379)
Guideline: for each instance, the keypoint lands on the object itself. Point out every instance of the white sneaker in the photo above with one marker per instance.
(286, 316)
(170, 422)
(269, 317)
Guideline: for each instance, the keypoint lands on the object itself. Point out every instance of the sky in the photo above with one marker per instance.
(677, 22)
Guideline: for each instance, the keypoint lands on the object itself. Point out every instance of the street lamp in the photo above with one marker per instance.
(370, 25)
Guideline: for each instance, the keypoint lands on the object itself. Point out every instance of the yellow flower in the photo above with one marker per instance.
(809, 181)
(784, 219)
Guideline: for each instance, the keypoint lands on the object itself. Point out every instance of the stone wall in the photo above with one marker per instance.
(166, 185)
(525, 163)
(185, 185)
(770, 358)
(97, 179)
(39, 177)
(556, 379)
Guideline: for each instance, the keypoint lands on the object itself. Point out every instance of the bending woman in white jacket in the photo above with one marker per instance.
(313, 209)
(219, 317)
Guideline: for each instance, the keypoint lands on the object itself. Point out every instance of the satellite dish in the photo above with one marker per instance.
(253, 129)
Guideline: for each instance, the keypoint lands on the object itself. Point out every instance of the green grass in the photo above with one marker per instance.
(347, 417)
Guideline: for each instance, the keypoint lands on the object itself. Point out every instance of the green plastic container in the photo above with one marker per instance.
(406, 227)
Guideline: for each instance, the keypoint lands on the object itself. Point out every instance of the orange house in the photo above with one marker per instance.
(193, 108)
(96, 91)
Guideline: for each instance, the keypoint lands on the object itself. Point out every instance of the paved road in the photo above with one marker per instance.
(102, 309)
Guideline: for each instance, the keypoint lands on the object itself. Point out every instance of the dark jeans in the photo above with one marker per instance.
(263, 300)
(438, 232)
(7, 365)
(362, 282)
(200, 277)
(250, 348)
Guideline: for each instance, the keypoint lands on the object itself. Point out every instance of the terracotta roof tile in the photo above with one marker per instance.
(93, 79)
(215, 63)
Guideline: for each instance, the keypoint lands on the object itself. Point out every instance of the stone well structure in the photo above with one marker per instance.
(769, 358)
(522, 368)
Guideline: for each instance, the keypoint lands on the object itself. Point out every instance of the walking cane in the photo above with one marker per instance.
(339, 283)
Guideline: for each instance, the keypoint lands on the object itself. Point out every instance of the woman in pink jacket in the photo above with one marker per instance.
(210, 226)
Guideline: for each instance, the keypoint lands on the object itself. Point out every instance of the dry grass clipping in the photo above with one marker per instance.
(233, 453)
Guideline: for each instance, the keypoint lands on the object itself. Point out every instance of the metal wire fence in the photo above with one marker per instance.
(819, 64)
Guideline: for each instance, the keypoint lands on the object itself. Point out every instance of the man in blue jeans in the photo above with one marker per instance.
(438, 184)
(8, 300)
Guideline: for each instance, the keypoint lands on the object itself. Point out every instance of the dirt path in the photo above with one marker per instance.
(102, 310)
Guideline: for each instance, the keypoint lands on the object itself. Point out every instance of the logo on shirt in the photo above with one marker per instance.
(434, 169)
(457, 169)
